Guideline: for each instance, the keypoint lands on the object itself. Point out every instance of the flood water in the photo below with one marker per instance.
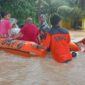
(17, 70)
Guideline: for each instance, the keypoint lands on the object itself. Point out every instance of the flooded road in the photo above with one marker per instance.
(17, 70)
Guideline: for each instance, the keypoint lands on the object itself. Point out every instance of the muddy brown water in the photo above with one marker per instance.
(18, 70)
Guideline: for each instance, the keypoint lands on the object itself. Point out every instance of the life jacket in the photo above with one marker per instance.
(59, 42)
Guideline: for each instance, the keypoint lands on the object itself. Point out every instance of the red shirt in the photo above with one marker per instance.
(30, 32)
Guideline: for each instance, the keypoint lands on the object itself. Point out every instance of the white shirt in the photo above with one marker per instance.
(15, 30)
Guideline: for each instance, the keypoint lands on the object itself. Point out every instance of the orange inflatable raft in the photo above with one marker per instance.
(24, 48)
(74, 47)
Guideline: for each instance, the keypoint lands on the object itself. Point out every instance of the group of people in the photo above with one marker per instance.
(9, 29)
(56, 38)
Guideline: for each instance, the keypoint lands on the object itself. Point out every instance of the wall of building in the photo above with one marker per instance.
(83, 24)
(66, 24)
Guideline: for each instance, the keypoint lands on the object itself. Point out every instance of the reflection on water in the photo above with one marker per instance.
(17, 70)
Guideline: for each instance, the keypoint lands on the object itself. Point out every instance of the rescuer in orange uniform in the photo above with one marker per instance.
(58, 40)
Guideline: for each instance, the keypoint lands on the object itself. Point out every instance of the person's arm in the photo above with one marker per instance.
(22, 31)
(9, 27)
(17, 36)
(9, 33)
(69, 38)
(14, 37)
(45, 43)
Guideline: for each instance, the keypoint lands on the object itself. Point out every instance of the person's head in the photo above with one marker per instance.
(6, 15)
(29, 19)
(42, 18)
(13, 22)
(55, 20)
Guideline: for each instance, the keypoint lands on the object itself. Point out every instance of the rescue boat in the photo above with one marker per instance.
(27, 48)
(77, 44)
(24, 48)
(74, 47)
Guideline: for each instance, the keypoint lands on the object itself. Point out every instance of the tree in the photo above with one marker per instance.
(20, 9)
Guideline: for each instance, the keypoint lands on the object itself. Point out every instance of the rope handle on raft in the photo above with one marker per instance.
(7, 41)
(38, 46)
(20, 45)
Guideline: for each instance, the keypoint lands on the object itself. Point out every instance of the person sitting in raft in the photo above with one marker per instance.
(29, 32)
(44, 27)
(43, 23)
(5, 24)
(15, 28)
(58, 39)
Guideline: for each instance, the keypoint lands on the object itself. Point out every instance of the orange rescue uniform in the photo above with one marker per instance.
(58, 40)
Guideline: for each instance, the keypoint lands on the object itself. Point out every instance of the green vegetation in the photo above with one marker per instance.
(21, 9)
